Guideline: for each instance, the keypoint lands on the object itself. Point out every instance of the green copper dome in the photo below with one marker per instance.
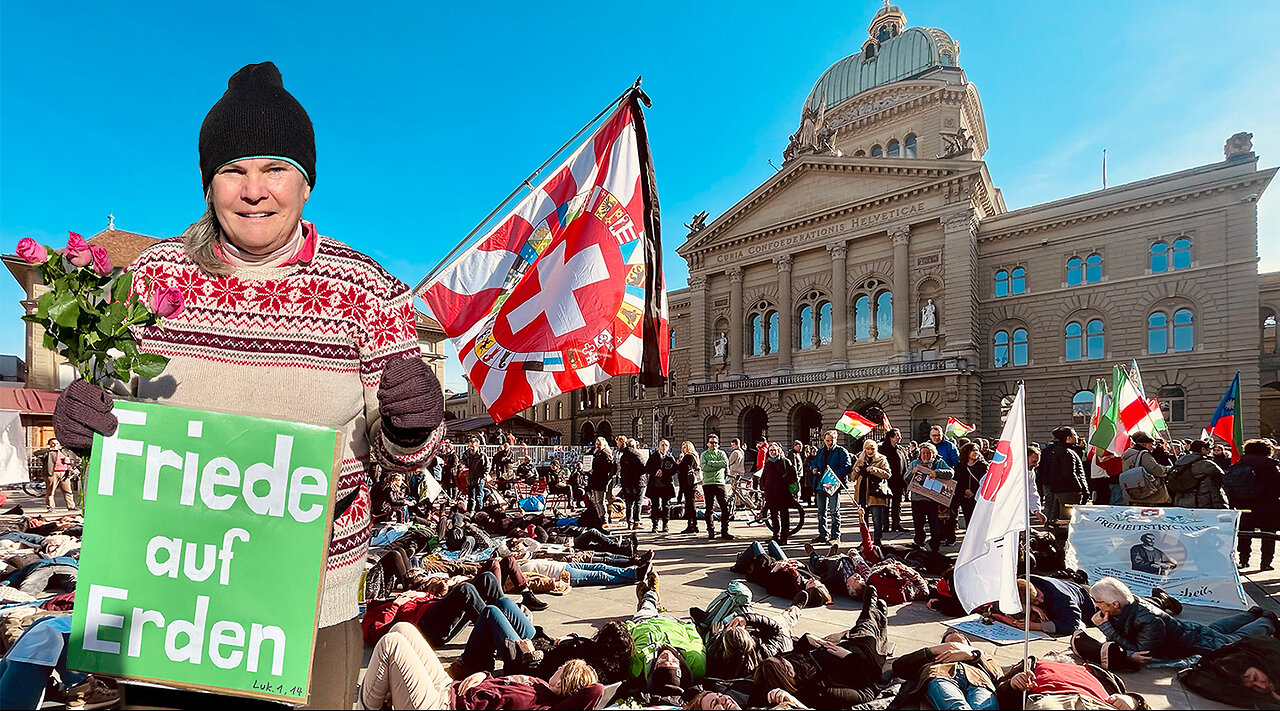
(904, 55)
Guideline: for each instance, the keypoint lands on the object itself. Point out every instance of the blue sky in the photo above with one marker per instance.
(428, 114)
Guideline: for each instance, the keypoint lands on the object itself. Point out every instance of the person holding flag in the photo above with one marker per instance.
(831, 469)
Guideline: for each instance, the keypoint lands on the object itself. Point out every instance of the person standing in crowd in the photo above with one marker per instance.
(895, 454)
(602, 471)
(1220, 457)
(350, 363)
(1139, 456)
(835, 458)
(500, 466)
(1061, 473)
(58, 464)
(968, 475)
(715, 465)
(808, 484)
(688, 475)
(776, 478)
(944, 447)
(1033, 463)
(476, 463)
(1253, 484)
(762, 453)
(923, 509)
(661, 471)
(449, 470)
(631, 467)
(737, 463)
(796, 455)
(1196, 480)
(871, 487)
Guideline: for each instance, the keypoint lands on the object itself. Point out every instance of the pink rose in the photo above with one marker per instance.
(166, 302)
(101, 260)
(78, 251)
(32, 251)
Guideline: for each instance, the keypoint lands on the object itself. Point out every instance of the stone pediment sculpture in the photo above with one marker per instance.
(814, 136)
(958, 143)
(697, 223)
(1238, 145)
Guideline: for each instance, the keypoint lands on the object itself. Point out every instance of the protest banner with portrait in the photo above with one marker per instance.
(1186, 552)
(939, 490)
(205, 537)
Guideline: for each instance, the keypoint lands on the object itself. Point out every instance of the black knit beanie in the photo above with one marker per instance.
(256, 117)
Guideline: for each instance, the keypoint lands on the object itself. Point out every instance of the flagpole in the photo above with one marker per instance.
(526, 183)
(1026, 553)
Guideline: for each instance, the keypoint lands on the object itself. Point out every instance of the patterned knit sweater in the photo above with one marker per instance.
(304, 342)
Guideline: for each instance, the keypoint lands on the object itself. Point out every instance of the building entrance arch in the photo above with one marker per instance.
(923, 417)
(588, 434)
(604, 429)
(754, 426)
(1269, 409)
(806, 424)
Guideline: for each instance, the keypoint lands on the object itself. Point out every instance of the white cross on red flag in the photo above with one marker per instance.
(567, 289)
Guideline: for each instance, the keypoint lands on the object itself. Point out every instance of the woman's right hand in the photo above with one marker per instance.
(82, 410)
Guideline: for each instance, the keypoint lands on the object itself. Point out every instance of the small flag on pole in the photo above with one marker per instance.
(956, 428)
(855, 425)
(886, 424)
(1227, 421)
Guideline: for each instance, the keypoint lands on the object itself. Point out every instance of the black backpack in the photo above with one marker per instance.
(1241, 484)
(1181, 480)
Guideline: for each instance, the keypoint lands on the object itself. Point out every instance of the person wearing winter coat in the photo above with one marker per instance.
(895, 453)
(1139, 455)
(661, 473)
(871, 484)
(836, 458)
(688, 475)
(631, 466)
(477, 466)
(776, 479)
(1203, 476)
(923, 509)
(969, 475)
(1061, 474)
(1258, 490)
(602, 471)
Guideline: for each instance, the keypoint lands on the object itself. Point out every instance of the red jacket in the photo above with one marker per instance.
(380, 615)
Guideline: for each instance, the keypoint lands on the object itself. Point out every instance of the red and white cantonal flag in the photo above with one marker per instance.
(567, 289)
(986, 567)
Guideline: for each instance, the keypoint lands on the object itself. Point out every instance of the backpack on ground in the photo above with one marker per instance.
(1241, 484)
(1140, 484)
(1181, 479)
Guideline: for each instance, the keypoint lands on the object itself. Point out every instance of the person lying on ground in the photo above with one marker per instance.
(894, 581)
(527, 548)
(942, 596)
(737, 647)
(440, 616)
(651, 628)
(458, 533)
(1058, 607)
(824, 674)
(28, 666)
(593, 539)
(502, 631)
(608, 652)
(950, 675)
(767, 565)
(405, 673)
(1145, 632)
(1058, 682)
(1244, 674)
(583, 574)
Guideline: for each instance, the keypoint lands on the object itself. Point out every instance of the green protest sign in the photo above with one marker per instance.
(205, 537)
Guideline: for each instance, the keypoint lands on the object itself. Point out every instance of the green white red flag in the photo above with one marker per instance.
(854, 424)
(956, 428)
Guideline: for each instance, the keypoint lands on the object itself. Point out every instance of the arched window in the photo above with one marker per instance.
(824, 323)
(1002, 283)
(909, 146)
(1157, 333)
(1075, 271)
(1018, 285)
(1173, 400)
(1159, 257)
(884, 314)
(771, 321)
(757, 335)
(893, 149)
(1097, 345)
(860, 154)
(877, 151)
(1075, 342)
(1093, 268)
(1082, 408)
(806, 328)
(1184, 337)
(1002, 349)
(608, 391)
(1181, 253)
(862, 318)
(1020, 346)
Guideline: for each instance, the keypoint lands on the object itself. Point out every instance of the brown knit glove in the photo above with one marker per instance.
(82, 409)
(410, 400)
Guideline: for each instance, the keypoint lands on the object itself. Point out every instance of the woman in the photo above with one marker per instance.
(776, 480)
(282, 322)
(687, 472)
(602, 471)
(405, 673)
(894, 453)
(871, 486)
(1244, 674)
(950, 675)
(58, 464)
(631, 469)
(807, 482)
(923, 509)
(969, 473)
(661, 469)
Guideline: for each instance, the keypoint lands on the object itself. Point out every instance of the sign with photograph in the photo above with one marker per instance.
(205, 537)
(939, 490)
(1187, 552)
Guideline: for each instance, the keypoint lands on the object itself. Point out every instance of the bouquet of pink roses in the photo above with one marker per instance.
(89, 309)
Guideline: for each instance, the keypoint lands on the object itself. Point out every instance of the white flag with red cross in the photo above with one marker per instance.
(566, 290)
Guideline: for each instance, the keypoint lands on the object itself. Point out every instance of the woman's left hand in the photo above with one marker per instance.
(410, 401)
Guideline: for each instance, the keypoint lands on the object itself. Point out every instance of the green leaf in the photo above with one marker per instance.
(42, 306)
(65, 309)
(129, 347)
(150, 365)
(120, 290)
(49, 341)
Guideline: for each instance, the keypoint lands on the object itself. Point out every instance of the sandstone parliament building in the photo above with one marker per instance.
(879, 270)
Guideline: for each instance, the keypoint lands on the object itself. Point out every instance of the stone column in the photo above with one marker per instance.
(957, 315)
(902, 301)
(699, 342)
(736, 324)
(785, 336)
(839, 306)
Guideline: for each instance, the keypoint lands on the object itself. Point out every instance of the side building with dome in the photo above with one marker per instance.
(880, 271)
